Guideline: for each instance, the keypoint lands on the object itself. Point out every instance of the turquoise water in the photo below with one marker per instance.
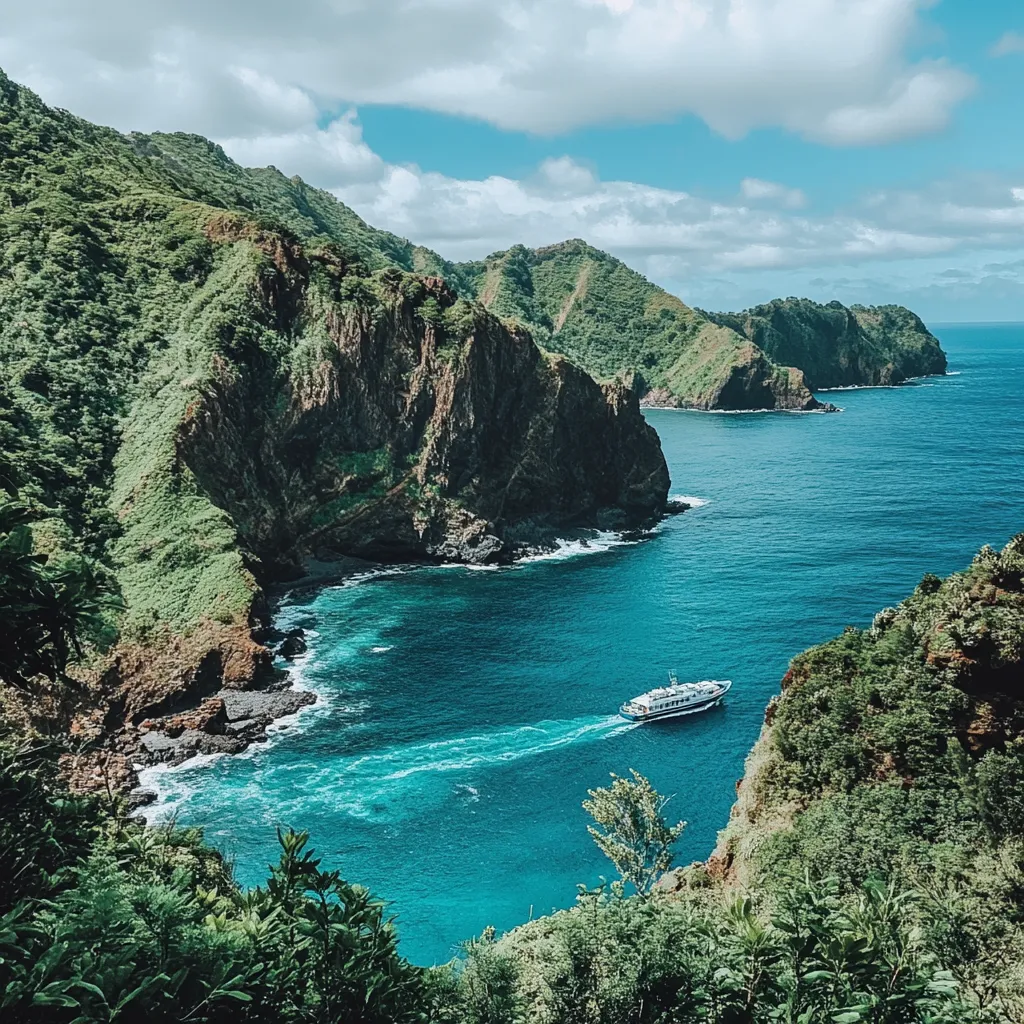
(465, 713)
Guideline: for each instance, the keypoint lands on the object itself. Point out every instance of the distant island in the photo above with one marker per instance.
(609, 319)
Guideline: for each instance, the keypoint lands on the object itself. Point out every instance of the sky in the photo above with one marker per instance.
(731, 150)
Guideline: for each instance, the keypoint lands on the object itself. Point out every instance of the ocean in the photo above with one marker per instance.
(464, 714)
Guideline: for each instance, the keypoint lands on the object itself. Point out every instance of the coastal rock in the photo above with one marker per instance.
(838, 346)
(225, 724)
(292, 645)
(210, 717)
(410, 439)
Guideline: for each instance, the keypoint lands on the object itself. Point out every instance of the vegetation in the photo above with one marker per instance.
(873, 871)
(631, 831)
(836, 346)
(104, 920)
(45, 611)
(588, 305)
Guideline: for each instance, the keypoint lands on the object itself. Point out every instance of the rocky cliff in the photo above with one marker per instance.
(590, 306)
(837, 346)
(892, 749)
(211, 374)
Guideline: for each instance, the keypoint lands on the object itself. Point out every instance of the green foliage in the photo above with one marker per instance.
(895, 752)
(105, 920)
(139, 274)
(837, 346)
(46, 611)
(43, 829)
(816, 956)
(631, 831)
(583, 303)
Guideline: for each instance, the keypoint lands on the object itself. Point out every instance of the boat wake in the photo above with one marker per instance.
(387, 784)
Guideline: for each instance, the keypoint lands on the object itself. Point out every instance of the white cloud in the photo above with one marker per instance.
(671, 235)
(756, 189)
(1009, 42)
(915, 105)
(836, 71)
(336, 153)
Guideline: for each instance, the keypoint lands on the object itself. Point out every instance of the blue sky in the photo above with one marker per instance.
(732, 150)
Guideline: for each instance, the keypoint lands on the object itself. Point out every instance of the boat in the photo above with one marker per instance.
(676, 699)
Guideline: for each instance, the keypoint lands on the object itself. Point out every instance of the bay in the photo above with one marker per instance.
(463, 714)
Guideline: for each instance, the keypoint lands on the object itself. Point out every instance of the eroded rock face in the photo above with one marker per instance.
(406, 439)
(840, 346)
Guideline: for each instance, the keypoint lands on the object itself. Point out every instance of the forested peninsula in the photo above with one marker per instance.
(610, 320)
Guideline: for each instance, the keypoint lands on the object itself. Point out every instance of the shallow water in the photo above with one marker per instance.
(464, 714)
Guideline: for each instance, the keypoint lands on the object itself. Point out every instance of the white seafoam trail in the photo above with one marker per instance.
(376, 783)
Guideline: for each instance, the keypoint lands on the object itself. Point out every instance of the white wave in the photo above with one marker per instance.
(171, 791)
(598, 542)
(689, 499)
(381, 650)
(379, 782)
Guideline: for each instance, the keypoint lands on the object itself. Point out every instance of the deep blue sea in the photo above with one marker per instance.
(464, 714)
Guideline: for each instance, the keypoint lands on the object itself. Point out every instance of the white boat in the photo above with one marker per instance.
(676, 699)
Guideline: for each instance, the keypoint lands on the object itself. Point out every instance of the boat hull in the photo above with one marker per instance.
(657, 716)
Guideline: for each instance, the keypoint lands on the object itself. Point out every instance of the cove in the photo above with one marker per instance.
(463, 714)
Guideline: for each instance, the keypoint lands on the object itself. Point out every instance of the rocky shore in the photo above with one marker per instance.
(231, 719)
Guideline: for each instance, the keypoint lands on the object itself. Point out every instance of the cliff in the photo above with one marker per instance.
(837, 346)
(897, 751)
(590, 306)
(609, 319)
(210, 374)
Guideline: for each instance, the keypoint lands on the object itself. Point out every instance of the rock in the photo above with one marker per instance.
(293, 645)
(140, 798)
(210, 717)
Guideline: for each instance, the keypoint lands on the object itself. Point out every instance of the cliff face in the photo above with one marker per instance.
(209, 374)
(410, 425)
(895, 750)
(837, 346)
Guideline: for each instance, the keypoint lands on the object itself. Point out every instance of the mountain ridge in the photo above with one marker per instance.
(609, 318)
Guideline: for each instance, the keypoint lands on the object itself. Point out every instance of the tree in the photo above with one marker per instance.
(631, 830)
(45, 611)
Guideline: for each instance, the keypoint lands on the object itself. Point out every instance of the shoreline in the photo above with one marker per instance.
(888, 387)
(246, 720)
(826, 407)
(742, 412)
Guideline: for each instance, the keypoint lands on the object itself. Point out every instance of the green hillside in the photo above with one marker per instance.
(611, 320)
(209, 374)
(590, 306)
(837, 346)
